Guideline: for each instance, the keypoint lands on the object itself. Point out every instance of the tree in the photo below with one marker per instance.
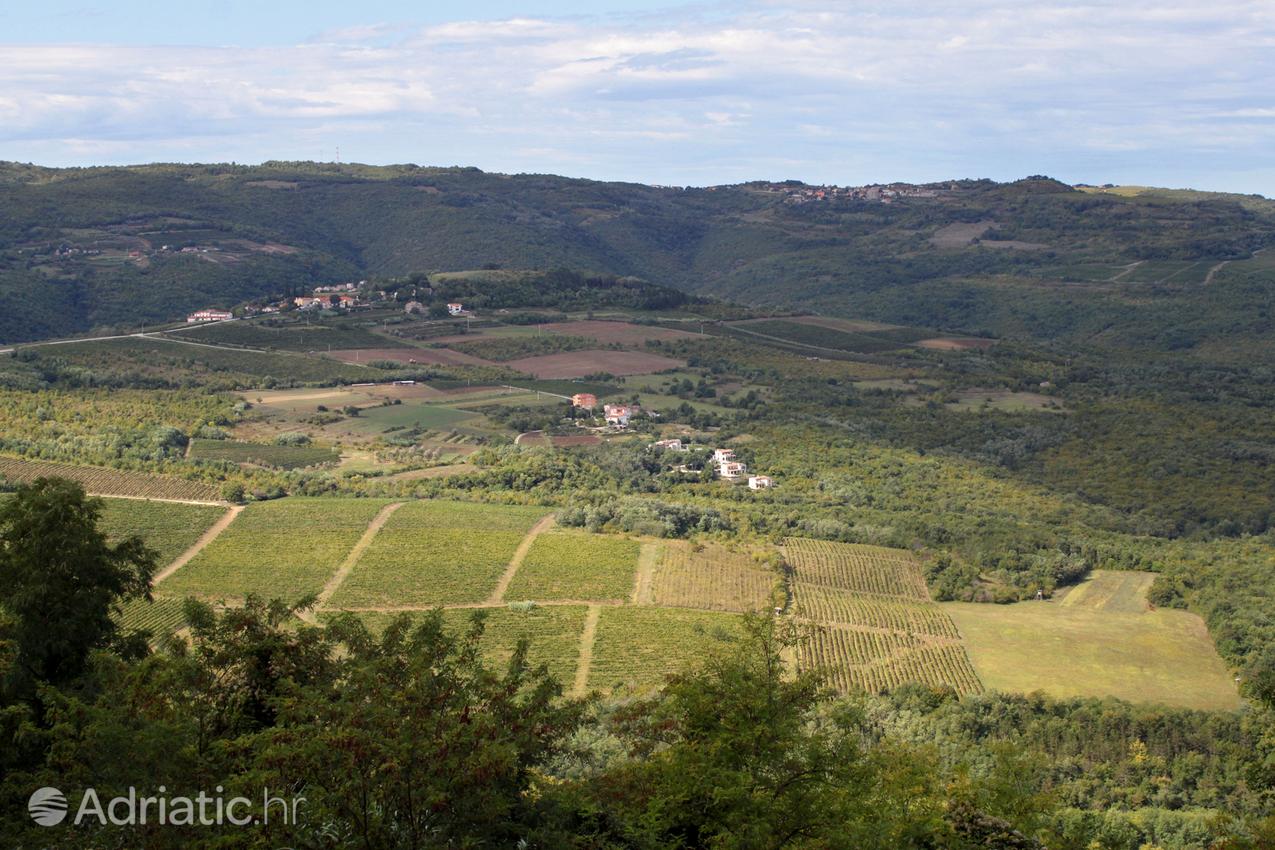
(60, 583)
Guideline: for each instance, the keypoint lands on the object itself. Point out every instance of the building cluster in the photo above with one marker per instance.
(801, 194)
(619, 415)
(729, 467)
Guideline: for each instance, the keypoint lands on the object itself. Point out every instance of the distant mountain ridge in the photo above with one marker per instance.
(101, 247)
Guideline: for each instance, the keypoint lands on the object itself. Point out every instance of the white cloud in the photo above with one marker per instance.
(702, 93)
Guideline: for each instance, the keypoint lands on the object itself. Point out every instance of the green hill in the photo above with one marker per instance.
(85, 248)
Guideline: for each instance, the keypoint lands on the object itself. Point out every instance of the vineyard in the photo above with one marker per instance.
(436, 553)
(554, 633)
(715, 578)
(262, 454)
(637, 647)
(863, 569)
(110, 482)
(285, 548)
(829, 605)
(160, 618)
(855, 659)
(874, 625)
(576, 565)
(169, 528)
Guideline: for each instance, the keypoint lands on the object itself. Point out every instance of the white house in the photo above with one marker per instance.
(732, 470)
(760, 482)
(209, 316)
(455, 309)
(620, 414)
(674, 445)
(721, 456)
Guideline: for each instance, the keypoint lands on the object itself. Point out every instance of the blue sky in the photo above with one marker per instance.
(1170, 92)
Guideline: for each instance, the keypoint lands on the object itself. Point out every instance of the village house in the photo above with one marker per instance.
(584, 401)
(721, 456)
(455, 309)
(760, 482)
(209, 316)
(674, 445)
(732, 470)
(620, 414)
(309, 302)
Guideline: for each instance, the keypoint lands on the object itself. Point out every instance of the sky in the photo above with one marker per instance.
(1176, 93)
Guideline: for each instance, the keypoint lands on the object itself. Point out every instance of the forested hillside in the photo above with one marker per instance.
(95, 248)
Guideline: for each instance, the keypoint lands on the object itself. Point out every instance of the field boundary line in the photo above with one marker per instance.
(211, 534)
(580, 687)
(342, 572)
(520, 555)
(648, 558)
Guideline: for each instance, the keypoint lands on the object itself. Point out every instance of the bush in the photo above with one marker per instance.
(292, 438)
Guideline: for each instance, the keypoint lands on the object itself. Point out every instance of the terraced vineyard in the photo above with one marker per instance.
(714, 578)
(436, 553)
(110, 482)
(637, 646)
(875, 626)
(285, 548)
(576, 565)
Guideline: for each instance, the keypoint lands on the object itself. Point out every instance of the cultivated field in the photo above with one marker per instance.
(161, 618)
(874, 626)
(110, 482)
(285, 548)
(577, 364)
(428, 356)
(637, 647)
(1122, 591)
(615, 333)
(1160, 656)
(576, 565)
(963, 343)
(261, 454)
(436, 553)
(714, 578)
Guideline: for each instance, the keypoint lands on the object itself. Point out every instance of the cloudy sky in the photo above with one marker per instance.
(1163, 92)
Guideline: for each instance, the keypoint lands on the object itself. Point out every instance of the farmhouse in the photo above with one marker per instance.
(721, 456)
(674, 445)
(584, 401)
(309, 302)
(732, 470)
(209, 316)
(760, 482)
(620, 414)
(455, 309)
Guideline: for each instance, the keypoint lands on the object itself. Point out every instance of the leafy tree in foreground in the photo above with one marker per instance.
(60, 582)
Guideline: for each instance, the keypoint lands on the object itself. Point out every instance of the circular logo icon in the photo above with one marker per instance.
(47, 807)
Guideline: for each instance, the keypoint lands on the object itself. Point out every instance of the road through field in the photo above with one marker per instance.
(204, 539)
(520, 554)
(343, 571)
(580, 687)
(647, 559)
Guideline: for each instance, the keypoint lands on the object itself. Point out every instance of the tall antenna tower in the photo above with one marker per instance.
(338, 154)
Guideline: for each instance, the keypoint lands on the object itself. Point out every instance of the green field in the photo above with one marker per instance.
(291, 335)
(436, 553)
(408, 415)
(637, 647)
(160, 617)
(169, 528)
(576, 565)
(285, 548)
(553, 631)
(1104, 642)
(262, 454)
